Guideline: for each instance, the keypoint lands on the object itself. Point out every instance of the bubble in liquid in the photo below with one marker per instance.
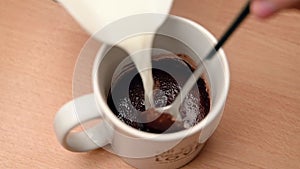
(160, 98)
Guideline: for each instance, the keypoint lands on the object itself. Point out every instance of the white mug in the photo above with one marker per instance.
(141, 149)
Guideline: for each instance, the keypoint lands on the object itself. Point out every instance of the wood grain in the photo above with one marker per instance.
(40, 43)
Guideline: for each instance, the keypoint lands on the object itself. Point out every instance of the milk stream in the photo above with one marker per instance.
(93, 15)
(142, 61)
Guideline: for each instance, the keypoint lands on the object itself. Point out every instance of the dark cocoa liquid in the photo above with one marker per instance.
(126, 98)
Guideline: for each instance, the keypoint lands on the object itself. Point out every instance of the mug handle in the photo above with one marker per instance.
(74, 114)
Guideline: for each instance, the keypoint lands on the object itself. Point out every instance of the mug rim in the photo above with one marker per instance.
(212, 114)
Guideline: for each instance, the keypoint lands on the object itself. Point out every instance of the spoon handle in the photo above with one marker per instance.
(244, 13)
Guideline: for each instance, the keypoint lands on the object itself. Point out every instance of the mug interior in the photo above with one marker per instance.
(180, 36)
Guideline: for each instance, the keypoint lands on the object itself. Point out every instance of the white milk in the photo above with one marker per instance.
(94, 15)
(142, 61)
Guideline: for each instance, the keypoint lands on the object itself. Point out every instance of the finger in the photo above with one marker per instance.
(265, 8)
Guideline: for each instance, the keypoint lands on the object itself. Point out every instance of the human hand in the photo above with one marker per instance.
(266, 8)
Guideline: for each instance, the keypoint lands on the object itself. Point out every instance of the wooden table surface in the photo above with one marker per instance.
(260, 128)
